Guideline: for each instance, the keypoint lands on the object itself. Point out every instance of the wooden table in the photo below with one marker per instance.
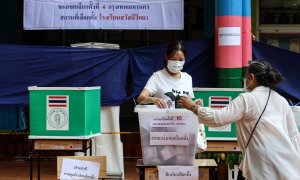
(57, 143)
(206, 169)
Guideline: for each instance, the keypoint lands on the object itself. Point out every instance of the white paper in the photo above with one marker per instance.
(229, 36)
(178, 172)
(79, 169)
(167, 153)
(169, 138)
(104, 14)
(168, 121)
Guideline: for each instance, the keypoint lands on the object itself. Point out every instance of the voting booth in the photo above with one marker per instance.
(63, 118)
(64, 111)
(218, 98)
(168, 136)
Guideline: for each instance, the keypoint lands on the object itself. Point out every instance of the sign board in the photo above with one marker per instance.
(218, 98)
(103, 14)
(79, 169)
(178, 172)
(229, 36)
(92, 159)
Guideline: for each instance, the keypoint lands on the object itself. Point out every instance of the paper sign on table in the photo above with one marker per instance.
(78, 169)
(178, 172)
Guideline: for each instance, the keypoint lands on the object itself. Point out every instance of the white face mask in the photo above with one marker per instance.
(175, 66)
(245, 87)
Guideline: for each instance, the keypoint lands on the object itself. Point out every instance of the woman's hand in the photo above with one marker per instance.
(199, 102)
(186, 102)
(160, 103)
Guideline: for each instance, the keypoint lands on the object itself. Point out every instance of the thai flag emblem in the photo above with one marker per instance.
(57, 101)
(219, 101)
(57, 112)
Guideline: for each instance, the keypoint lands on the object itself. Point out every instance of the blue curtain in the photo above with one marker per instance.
(199, 64)
(23, 66)
(287, 62)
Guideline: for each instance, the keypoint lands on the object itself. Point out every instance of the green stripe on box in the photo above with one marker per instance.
(230, 77)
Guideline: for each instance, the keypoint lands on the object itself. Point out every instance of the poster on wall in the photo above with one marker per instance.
(286, 41)
(103, 14)
(294, 45)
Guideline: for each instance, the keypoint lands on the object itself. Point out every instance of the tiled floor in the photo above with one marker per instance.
(19, 169)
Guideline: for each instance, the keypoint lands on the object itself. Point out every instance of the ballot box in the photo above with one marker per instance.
(218, 98)
(64, 111)
(168, 136)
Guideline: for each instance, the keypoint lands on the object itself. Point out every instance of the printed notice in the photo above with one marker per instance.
(103, 14)
(229, 36)
(178, 172)
(78, 169)
(168, 121)
(169, 138)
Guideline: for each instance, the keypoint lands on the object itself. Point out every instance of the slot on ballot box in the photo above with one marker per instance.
(168, 136)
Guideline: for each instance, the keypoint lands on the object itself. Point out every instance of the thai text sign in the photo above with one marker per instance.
(103, 14)
(78, 169)
(169, 121)
(169, 138)
(178, 172)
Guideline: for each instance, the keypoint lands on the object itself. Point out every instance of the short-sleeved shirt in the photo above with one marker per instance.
(162, 82)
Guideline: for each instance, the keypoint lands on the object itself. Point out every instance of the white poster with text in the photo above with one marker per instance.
(178, 172)
(169, 138)
(78, 169)
(229, 36)
(103, 14)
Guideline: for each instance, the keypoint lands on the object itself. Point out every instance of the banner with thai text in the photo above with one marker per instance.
(103, 14)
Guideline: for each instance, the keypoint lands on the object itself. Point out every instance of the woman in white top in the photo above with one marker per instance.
(171, 82)
(168, 80)
(273, 152)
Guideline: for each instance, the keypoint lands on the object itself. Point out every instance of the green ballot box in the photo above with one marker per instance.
(218, 98)
(64, 111)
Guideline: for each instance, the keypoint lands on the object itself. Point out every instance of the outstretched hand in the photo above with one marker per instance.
(199, 102)
(186, 102)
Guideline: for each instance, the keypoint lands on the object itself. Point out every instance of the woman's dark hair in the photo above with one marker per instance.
(264, 73)
(173, 47)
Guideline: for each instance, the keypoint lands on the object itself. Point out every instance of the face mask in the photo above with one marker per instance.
(175, 66)
(245, 87)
